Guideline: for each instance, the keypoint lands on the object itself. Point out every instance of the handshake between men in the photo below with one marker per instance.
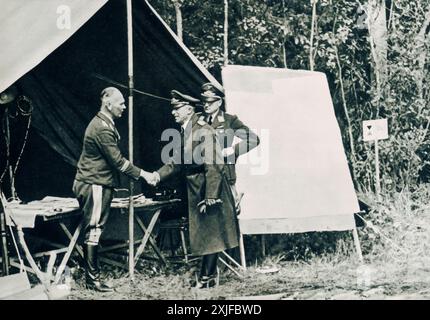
(151, 178)
(154, 178)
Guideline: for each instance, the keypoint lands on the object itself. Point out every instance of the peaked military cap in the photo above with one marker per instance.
(209, 96)
(210, 87)
(179, 99)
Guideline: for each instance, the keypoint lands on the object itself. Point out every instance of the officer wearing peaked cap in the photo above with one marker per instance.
(227, 127)
(213, 225)
(179, 98)
(211, 88)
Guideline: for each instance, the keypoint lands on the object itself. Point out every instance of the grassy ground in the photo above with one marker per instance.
(395, 243)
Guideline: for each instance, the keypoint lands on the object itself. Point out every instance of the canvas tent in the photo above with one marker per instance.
(62, 72)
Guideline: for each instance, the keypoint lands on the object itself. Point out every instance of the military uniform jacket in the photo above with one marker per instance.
(227, 127)
(101, 160)
(217, 229)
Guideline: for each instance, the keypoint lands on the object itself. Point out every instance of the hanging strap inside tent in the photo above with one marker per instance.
(25, 108)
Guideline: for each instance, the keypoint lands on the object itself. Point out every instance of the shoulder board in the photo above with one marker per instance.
(105, 124)
(201, 122)
(221, 118)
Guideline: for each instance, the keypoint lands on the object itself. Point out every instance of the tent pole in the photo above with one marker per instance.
(130, 138)
(5, 253)
(11, 177)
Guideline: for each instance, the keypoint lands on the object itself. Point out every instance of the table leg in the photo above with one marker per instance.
(146, 236)
(68, 253)
(45, 282)
(5, 254)
(184, 245)
(69, 235)
(51, 262)
(151, 241)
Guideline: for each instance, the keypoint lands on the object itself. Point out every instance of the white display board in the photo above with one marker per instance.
(298, 179)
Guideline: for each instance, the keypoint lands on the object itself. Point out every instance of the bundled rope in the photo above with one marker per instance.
(27, 131)
(25, 108)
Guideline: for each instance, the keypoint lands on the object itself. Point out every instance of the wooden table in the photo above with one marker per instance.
(152, 207)
(57, 210)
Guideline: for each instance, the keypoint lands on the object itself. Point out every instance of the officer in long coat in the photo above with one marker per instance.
(227, 127)
(213, 225)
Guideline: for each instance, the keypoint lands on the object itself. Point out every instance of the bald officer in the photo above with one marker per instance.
(97, 174)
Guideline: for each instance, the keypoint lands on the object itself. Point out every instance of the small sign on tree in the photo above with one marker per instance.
(374, 130)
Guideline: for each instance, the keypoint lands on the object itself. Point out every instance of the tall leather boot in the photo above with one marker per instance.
(209, 273)
(92, 271)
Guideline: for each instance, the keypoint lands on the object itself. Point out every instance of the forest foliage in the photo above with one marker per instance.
(375, 54)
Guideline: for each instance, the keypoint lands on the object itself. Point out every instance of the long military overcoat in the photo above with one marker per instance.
(217, 229)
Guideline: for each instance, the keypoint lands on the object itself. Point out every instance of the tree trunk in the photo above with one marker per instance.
(314, 16)
(422, 53)
(178, 12)
(225, 32)
(377, 24)
(348, 119)
(284, 50)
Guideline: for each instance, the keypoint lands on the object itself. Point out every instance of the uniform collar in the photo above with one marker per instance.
(109, 122)
(220, 116)
(185, 124)
(214, 115)
(106, 117)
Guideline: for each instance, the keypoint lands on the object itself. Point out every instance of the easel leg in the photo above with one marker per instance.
(357, 244)
(242, 251)
(230, 267)
(233, 261)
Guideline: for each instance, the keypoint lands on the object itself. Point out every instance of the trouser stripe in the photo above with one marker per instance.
(97, 205)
